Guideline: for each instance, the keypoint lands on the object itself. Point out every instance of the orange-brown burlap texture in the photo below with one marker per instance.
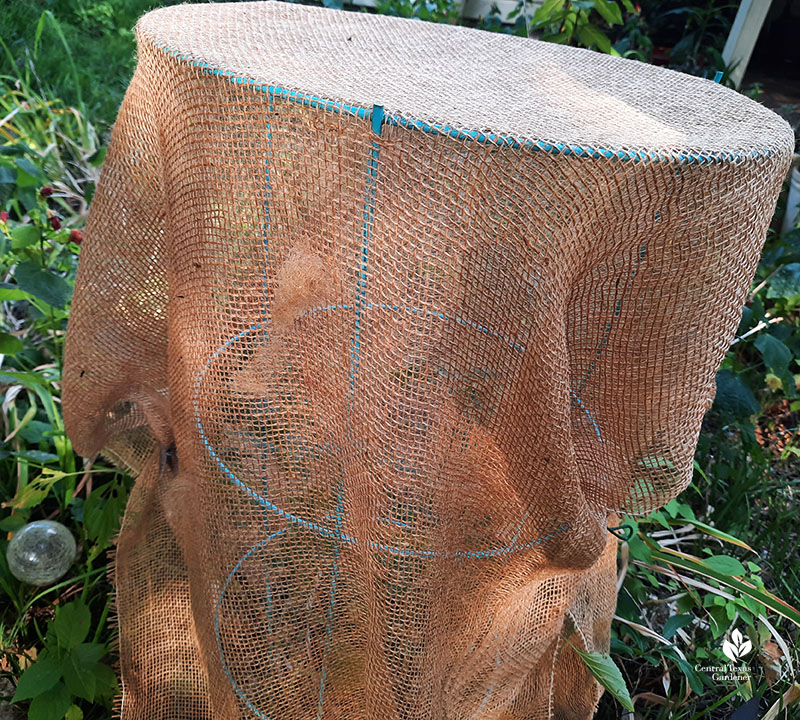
(421, 308)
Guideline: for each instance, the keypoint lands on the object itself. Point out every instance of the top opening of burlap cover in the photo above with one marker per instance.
(387, 318)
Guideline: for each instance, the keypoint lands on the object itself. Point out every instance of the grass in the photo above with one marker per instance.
(99, 34)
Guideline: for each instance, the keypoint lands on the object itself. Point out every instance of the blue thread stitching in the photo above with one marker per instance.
(267, 200)
(236, 567)
(610, 324)
(218, 635)
(576, 399)
(601, 346)
(377, 120)
(488, 691)
(321, 530)
(361, 292)
(267, 228)
(460, 134)
(307, 524)
(425, 313)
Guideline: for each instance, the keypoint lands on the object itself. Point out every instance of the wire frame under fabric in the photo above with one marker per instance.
(390, 319)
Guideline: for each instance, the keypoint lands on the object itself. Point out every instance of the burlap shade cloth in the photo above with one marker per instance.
(389, 319)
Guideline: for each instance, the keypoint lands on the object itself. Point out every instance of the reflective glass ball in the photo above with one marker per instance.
(41, 552)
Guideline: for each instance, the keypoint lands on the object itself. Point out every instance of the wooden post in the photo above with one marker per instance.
(743, 35)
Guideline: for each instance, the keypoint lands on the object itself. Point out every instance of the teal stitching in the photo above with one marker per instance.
(337, 534)
(425, 313)
(227, 582)
(601, 346)
(498, 139)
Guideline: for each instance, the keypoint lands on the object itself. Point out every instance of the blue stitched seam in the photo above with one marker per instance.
(462, 134)
(236, 567)
(321, 530)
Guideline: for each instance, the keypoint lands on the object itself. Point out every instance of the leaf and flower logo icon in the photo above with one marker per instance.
(737, 647)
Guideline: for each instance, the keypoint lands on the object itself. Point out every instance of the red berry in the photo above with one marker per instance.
(3, 216)
(76, 236)
(55, 223)
(46, 191)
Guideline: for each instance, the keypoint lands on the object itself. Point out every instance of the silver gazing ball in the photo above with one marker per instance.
(41, 552)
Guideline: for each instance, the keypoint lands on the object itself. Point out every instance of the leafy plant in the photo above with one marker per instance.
(580, 22)
(447, 11)
(48, 166)
(67, 669)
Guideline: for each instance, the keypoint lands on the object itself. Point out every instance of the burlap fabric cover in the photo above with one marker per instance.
(419, 307)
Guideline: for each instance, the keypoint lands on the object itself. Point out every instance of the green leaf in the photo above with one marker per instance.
(12, 523)
(785, 283)
(106, 681)
(640, 550)
(38, 678)
(694, 678)
(776, 355)
(34, 175)
(96, 159)
(43, 284)
(35, 431)
(725, 564)
(18, 148)
(24, 235)
(733, 397)
(609, 10)
(10, 345)
(74, 713)
(32, 494)
(7, 176)
(102, 515)
(608, 675)
(52, 705)
(28, 379)
(674, 624)
(718, 620)
(27, 195)
(38, 456)
(754, 589)
(546, 9)
(558, 38)
(658, 516)
(753, 606)
(71, 624)
(671, 508)
(80, 679)
(746, 322)
(590, 36)
(709, 530)
(89, 653)
(9, 291)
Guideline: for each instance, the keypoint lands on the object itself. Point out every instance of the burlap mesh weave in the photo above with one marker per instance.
(420, 308)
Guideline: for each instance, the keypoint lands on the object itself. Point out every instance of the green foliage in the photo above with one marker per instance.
(68, 669)
(703, 29)
(682, 596)
(83, 51)
(49, 160)
(675, 610)
(580, 22)
(431, 10)
(608, 675)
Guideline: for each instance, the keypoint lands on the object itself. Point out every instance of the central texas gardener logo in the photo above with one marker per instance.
(737, 647)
